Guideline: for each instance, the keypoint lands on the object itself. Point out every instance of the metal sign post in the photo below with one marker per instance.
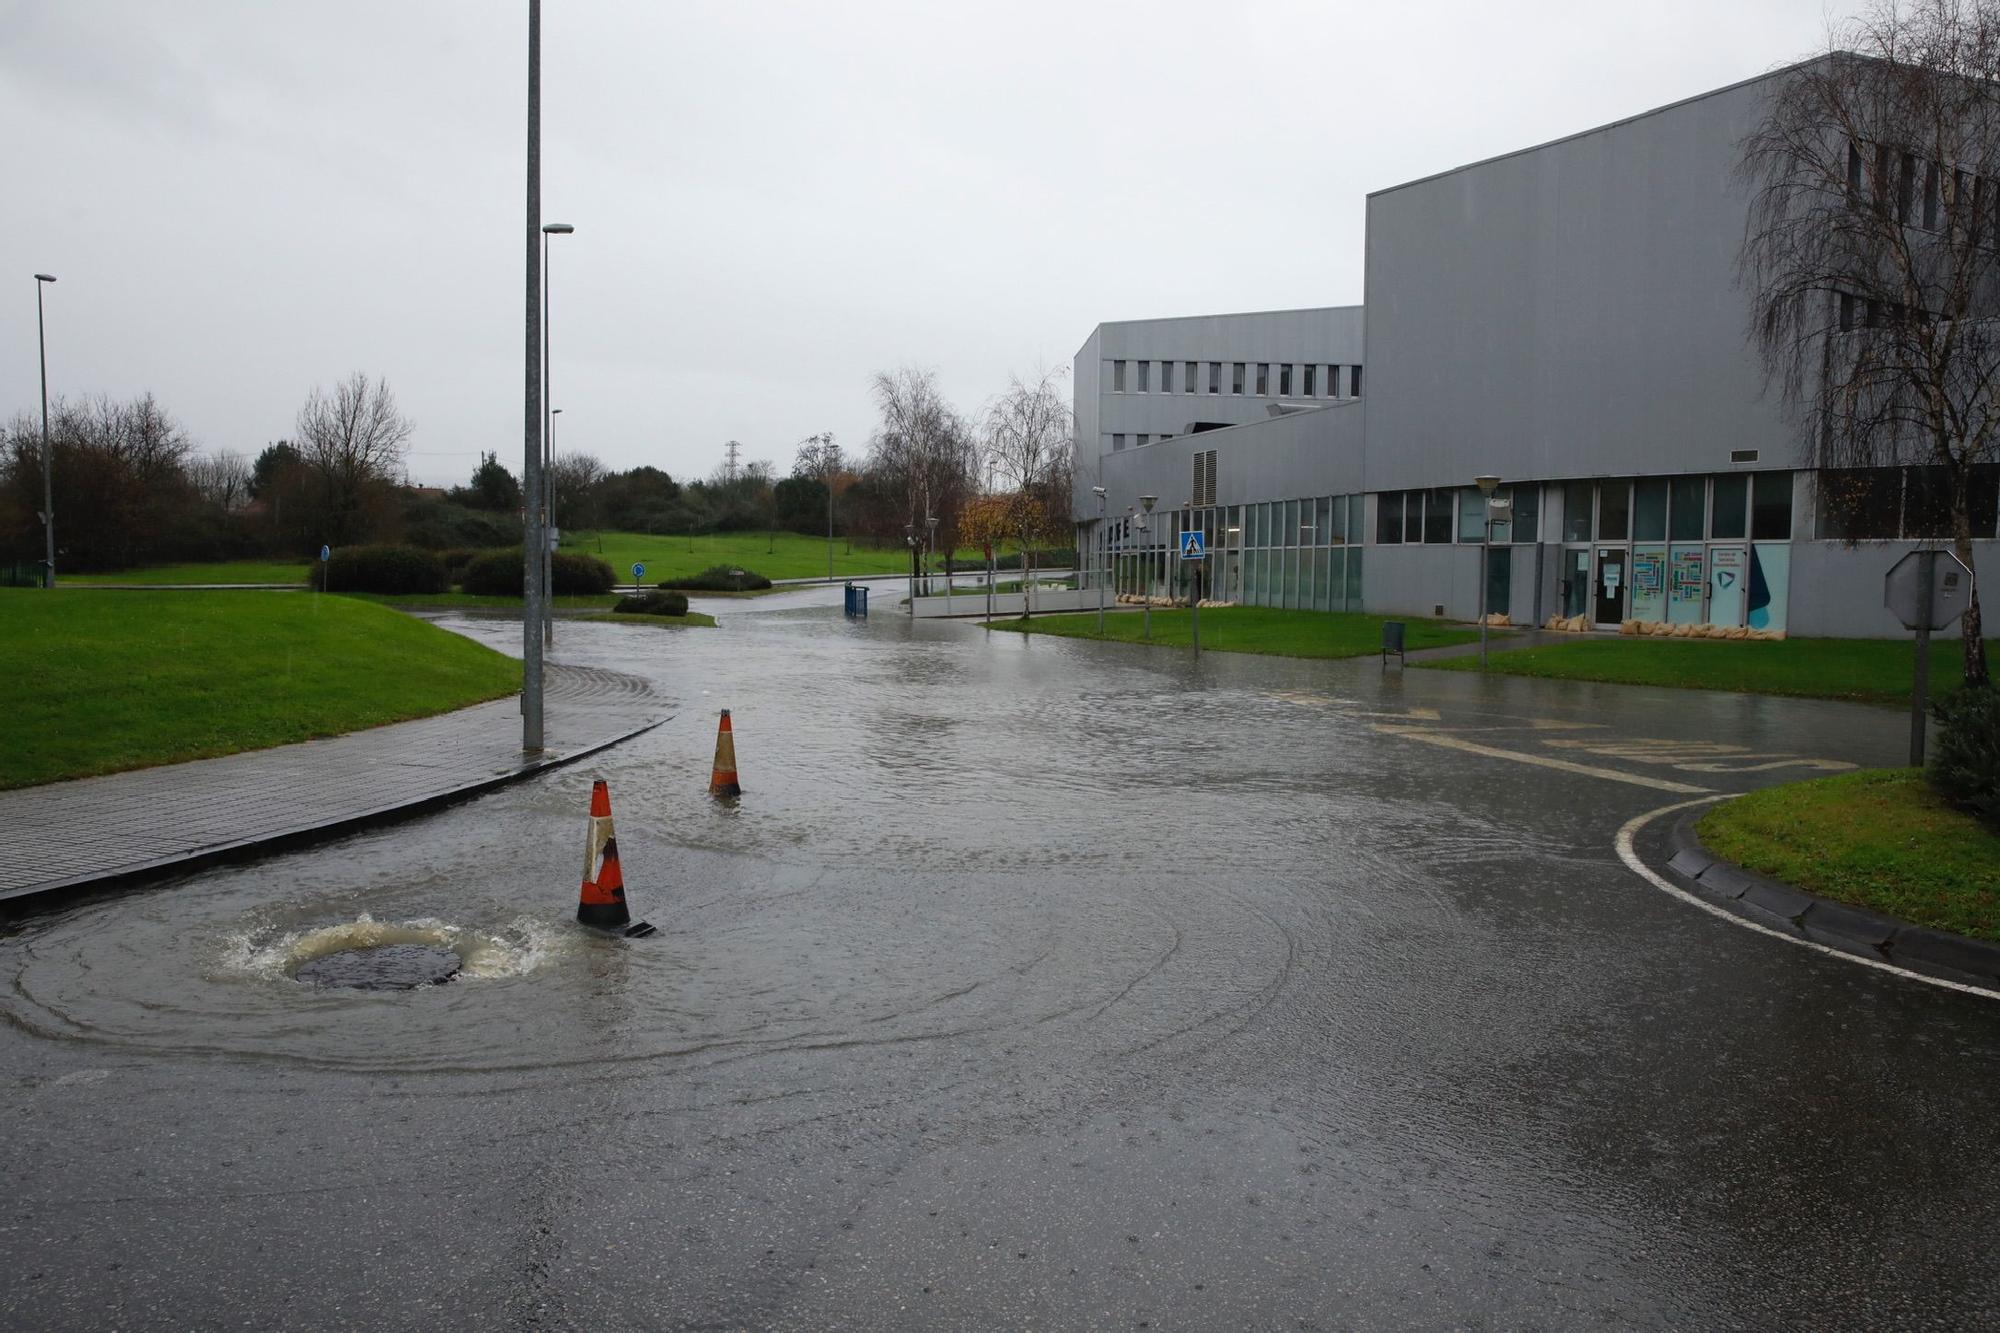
(1927, 590)
(1193, 551)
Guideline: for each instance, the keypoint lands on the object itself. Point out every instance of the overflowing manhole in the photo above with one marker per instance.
(382, 967)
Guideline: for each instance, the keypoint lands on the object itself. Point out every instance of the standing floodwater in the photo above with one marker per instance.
(1029, 982)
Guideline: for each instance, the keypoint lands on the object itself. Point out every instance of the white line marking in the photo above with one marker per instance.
(1630, 856)
(1429, 737)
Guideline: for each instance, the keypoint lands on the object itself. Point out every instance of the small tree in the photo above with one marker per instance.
(352, 440)
(1027, 446)
(1872, 253)
(222, 479)
(820, 459)
(492, 487)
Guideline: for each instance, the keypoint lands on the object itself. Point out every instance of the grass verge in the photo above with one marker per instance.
(109, 680)
(1247, 629)
(1881, 840)
(224, 571)
(694, 619)
(1865, 670)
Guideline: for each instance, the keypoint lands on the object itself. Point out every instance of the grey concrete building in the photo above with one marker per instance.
(1566, 318)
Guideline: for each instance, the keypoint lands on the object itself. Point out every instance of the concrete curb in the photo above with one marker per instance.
(38, 897)
(1855, 930)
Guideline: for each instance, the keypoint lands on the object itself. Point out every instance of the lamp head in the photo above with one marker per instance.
(1148, 501)
(1486, 485)
(45, 277)
(557, 229)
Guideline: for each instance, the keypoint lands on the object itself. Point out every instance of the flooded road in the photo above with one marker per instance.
(1031, 982)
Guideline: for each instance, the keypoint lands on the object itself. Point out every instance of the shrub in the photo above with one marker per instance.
(439, 524)
(499, 574)
(1965, 765)
(1059, 559)
(720, 578)
(658, 603)
(456, 559)
(383, 569)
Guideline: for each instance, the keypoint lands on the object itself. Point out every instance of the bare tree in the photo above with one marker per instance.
(223, 479)
(1872, 257)
(352, 440)
(924, 448)
(820, 459)
(1028, 449)
(577, 477)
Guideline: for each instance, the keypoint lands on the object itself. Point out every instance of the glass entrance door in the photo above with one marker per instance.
(1610, 599)
(1575, 581)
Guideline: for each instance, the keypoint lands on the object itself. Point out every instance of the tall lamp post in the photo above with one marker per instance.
(910, 540)
(1146, 503)
(547, 498)
(930, 550)
(1487, 485)
(1098, 491)
(48, 458)
(532, 427)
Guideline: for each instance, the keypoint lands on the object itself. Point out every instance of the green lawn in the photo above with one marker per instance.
(226, 571)
(692, 619)
(789, 555)
(1880, 840)
(103, 681)
(1248, 629)
(1867, 670)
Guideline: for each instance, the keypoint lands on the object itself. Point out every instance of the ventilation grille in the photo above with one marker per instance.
(1742, 455)
(1203, 492)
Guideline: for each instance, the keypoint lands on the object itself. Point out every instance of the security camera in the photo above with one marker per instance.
(1097, 490)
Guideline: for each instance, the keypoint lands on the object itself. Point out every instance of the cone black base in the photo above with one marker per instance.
(605, 916)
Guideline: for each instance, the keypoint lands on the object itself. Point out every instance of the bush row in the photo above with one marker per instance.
(499, 574)
(384, 569)
(658, 603)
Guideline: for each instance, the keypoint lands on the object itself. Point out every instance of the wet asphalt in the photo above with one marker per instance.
(1032, 983)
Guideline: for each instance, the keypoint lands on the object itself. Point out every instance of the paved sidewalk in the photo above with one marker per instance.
(96, 831)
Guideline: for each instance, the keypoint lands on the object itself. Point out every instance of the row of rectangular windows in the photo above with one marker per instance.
(1310, 380)
(1920, 191)
(1726, 507)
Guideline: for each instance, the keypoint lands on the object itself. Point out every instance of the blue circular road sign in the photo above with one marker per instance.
(638, 571)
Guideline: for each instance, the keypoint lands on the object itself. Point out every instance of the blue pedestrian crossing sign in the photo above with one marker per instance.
(1192, 547)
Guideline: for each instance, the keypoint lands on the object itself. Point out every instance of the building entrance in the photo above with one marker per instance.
(1610, 599)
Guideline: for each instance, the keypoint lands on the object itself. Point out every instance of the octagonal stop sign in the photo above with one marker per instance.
(1950, 589)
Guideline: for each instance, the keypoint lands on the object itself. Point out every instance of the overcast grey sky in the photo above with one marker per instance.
(244, 198)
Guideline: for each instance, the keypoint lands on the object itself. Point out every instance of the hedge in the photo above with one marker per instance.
(654, 604)
(1965, 765)
(383, 569)
(499, 574)
(720, 578)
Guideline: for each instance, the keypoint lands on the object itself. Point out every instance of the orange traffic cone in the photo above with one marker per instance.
(722, 782)
(602, 900)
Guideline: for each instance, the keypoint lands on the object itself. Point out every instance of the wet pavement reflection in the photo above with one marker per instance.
(1031, 981)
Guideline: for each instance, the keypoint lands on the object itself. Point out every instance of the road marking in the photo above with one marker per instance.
(1550, 724)
(1629, 854)
(1429, 737)
(1698, 756)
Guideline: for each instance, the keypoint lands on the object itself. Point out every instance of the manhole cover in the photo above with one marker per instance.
(385, 967)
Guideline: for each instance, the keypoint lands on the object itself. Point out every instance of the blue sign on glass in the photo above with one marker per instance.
(1192, 546)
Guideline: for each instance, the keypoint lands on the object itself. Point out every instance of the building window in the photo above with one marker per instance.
(1438, 511)
(1860, 504)
(1354, 382)
(1236, 378)
(1285, 380)
(1189, 382)
(1263, 379)
(1139, 440)
(1215, 377)
(1576, 511)
(1118, 377)
(1117, 443)
(1527, 514)
(1731, 497)
(1686, 500)
(1389, 518)
(1649, 510)
(1307, 390)
(1166, 377)
(1471, 515)
(1614, 510)
(1164, 438)
(1771, 507)
(1846, 312)
(1145, 376)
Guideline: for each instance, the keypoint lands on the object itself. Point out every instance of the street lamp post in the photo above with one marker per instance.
(910, 540)
(1098, 491)
(930, 553)
(547, 497)
(532, 426)
(48, 457)
(1487, 485)
(1146, 502)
